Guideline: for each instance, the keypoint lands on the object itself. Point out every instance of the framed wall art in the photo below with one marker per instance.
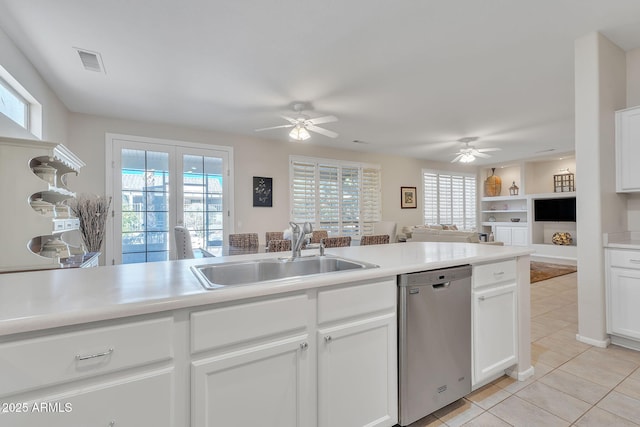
(262, 192)
(408, 198)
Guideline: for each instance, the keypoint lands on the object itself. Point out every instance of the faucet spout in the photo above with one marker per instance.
(297, 237)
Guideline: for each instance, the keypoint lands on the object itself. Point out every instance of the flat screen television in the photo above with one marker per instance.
(561, 209)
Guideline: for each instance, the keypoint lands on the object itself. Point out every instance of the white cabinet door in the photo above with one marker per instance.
(357, 374)
(624, 294)
(519, 236)
(503, 234)
(495, 328)
(627, 150)
(264, 385)
(136, 401)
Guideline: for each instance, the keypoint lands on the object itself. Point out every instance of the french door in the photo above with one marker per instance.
(158, 184)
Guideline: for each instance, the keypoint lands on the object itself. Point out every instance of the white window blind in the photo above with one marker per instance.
(449, 198)
(343, 199)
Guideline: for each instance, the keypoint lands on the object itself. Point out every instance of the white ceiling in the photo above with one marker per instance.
(407, 77)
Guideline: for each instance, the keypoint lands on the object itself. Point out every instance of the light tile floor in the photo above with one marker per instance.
(574, 384)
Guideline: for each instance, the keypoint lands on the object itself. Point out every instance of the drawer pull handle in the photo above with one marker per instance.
(304, 346)
(93, 356)
(634, 261)
(498, 273)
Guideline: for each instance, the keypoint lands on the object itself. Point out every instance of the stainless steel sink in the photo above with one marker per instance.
(216, 276)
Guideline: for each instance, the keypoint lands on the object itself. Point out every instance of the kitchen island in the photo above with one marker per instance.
(171, 353)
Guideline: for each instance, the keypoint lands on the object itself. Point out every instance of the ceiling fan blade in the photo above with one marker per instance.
(320, 120)
(275, 127)
(325, 132)
(484, 156)
(486, 150)
(457, 158)
(290, 119)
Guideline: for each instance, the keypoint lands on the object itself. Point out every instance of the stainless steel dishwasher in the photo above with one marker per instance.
(434, 340)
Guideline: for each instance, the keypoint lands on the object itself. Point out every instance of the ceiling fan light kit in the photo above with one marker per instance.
(299, 133)
(302, 124)
(468, 153)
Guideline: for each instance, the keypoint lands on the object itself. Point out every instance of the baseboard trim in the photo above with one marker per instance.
(521, 375)
(625, 342)
(596, 343)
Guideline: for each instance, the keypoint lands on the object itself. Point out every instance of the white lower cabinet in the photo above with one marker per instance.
(623, 295)
(511, 236)
(494, 319)
(357, 373)
(135, 401)
(265, 385)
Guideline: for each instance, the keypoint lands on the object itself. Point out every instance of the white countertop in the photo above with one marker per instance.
(52, 298)
(622, 240)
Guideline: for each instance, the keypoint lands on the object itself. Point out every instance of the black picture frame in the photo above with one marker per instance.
(408, 198)
(262, 192)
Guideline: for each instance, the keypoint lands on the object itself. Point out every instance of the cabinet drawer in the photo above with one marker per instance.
(137, 401)
(624, 259)
(220, 327)
(42, 361)
(496, 272)
(352, 301)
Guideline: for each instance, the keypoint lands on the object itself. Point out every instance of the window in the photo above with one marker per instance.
(13, 105)
(340, 197)
(449, 198)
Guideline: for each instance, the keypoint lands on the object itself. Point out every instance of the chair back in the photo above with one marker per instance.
(184, 249)
(318, 235)
(379, 239)
(243, 240)
(336, 242)
(385, 227)
(273, 235)
(279, 245)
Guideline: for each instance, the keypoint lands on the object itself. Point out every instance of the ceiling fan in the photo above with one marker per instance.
(468, 153)
(302, 124)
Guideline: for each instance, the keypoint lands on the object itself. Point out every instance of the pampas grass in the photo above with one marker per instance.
(92, 212)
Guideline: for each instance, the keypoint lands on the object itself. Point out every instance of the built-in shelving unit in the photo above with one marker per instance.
(536, 181)
(24, 228)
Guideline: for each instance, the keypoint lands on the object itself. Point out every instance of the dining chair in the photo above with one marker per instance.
(336, 242)
(318, 235)
(273, 235)
(379, 239)
(279, 245)
(385, 227)
(184, 249)
(243, 240)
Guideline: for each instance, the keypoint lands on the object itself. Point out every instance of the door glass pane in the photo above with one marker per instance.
(202, 190)
(145, 201)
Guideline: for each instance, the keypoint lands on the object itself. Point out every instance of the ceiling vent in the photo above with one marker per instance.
(91, 61)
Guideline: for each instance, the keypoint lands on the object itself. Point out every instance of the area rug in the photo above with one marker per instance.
(543, 270)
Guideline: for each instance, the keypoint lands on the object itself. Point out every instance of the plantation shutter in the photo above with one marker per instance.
(342, 199)
(449, 198)
(303, 192)
(371, 206)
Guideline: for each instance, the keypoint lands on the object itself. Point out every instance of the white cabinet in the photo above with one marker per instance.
(108, 375)
(254, 370)
(494, 319)
(623, 295)
(512, 235)
(627, 150)
(357, 373)
(24, 228)
(266, 384)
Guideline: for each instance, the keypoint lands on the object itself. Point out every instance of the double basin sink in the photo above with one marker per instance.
(217, 276)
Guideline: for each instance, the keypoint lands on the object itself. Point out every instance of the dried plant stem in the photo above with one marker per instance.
(92, 212)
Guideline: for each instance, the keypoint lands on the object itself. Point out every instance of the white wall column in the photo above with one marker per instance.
(600, 89)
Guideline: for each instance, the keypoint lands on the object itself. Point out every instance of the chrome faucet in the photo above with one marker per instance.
(298, 234)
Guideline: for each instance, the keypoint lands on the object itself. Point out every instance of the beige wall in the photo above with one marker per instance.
(540, 174)
(252, 157)
(54, 113)
(633, 100)
(600, 89)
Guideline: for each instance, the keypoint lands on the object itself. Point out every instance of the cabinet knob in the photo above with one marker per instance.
(327, 338)
(304, 346)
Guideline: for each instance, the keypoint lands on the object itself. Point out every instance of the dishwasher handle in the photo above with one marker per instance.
(441, 285)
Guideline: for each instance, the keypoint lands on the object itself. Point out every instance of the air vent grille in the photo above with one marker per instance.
(91, 61)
